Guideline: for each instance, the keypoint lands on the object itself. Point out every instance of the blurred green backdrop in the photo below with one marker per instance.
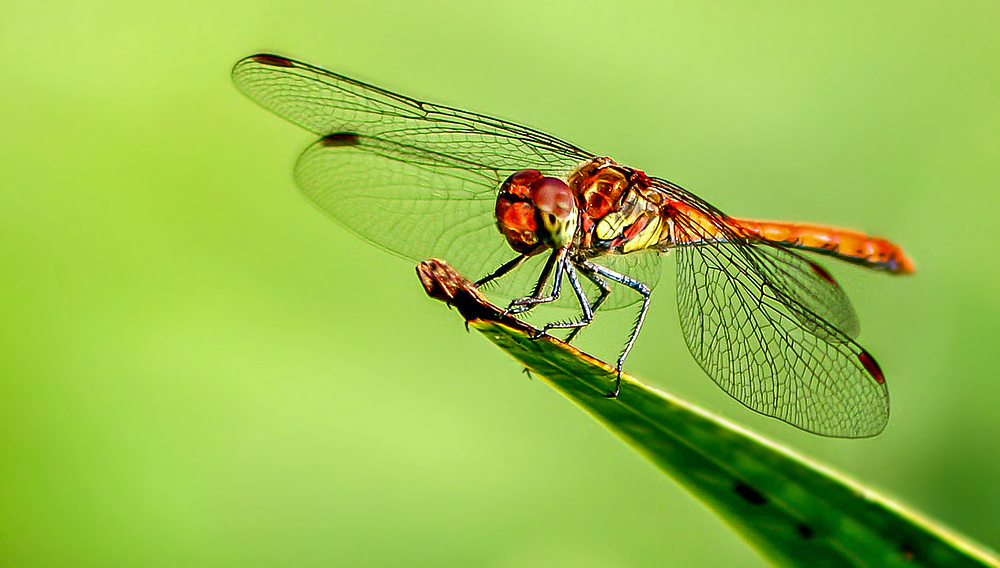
(198, 368)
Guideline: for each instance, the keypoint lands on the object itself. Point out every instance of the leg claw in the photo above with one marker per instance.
(618, 387)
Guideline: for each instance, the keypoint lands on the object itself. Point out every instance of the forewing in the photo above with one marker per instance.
(326, 103)
(414, 178)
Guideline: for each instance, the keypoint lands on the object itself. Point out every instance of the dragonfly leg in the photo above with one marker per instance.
(537, 291)
(504, 269)
(557, 260)
(641, 289)
(605, 291)
(588, 311)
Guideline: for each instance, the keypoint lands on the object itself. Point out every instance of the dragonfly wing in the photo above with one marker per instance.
(413, 209)
(414, 178)
(766, 350)
(772, 328)
(811, 286)
(645, 266)
(417, 205)
(325, 103)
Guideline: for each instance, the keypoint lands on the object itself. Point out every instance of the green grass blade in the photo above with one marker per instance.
(795, 512)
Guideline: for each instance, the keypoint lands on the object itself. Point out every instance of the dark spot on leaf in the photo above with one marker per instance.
(906, 549)
(750, 494)
(805, 531)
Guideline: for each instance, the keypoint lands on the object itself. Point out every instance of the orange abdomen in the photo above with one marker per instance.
(845, 244)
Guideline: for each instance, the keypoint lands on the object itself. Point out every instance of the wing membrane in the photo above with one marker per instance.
(416, 210)
(326, 103)
(414, 178)
(760, 320)
(810, 286)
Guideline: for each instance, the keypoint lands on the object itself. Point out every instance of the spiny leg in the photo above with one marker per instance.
(605, 291)
(588, 311)
(638, 287)
(543, 277)
(556, 259)
(504, 269)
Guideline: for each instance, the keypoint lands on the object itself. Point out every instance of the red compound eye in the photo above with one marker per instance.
(516, 220)
(552, 196)
(519, 184)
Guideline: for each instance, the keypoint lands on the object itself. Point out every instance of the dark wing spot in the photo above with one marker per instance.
(750, 494)
(871, 366)
(822, 272)
(341, 139)
(273, 60)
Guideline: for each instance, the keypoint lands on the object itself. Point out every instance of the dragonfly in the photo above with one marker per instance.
(529, 211)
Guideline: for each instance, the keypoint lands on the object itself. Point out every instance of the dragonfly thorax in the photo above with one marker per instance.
(535, 212)
(619, 211)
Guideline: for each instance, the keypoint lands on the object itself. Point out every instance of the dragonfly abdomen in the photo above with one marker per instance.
(845, 244)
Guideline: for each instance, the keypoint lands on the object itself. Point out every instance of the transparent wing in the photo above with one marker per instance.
(811, 286)
(414, 178)
(773, 329)
(327, 103)
(643, 265)
(414, 208)
(755, 342)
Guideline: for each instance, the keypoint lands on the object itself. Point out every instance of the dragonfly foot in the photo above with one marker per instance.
(618, 386)
(510, 311)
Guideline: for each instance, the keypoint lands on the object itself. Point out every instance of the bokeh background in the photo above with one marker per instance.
(199, 369)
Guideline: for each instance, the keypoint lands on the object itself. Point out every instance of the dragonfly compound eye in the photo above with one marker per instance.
(557, 210)
(534, 212)
(515, 213)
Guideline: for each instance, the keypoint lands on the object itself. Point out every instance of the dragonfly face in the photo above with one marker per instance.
(771, 326)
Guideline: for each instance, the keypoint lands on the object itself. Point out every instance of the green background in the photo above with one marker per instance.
(198, 368)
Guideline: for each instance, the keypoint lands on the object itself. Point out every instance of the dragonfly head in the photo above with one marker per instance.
(535, 212)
